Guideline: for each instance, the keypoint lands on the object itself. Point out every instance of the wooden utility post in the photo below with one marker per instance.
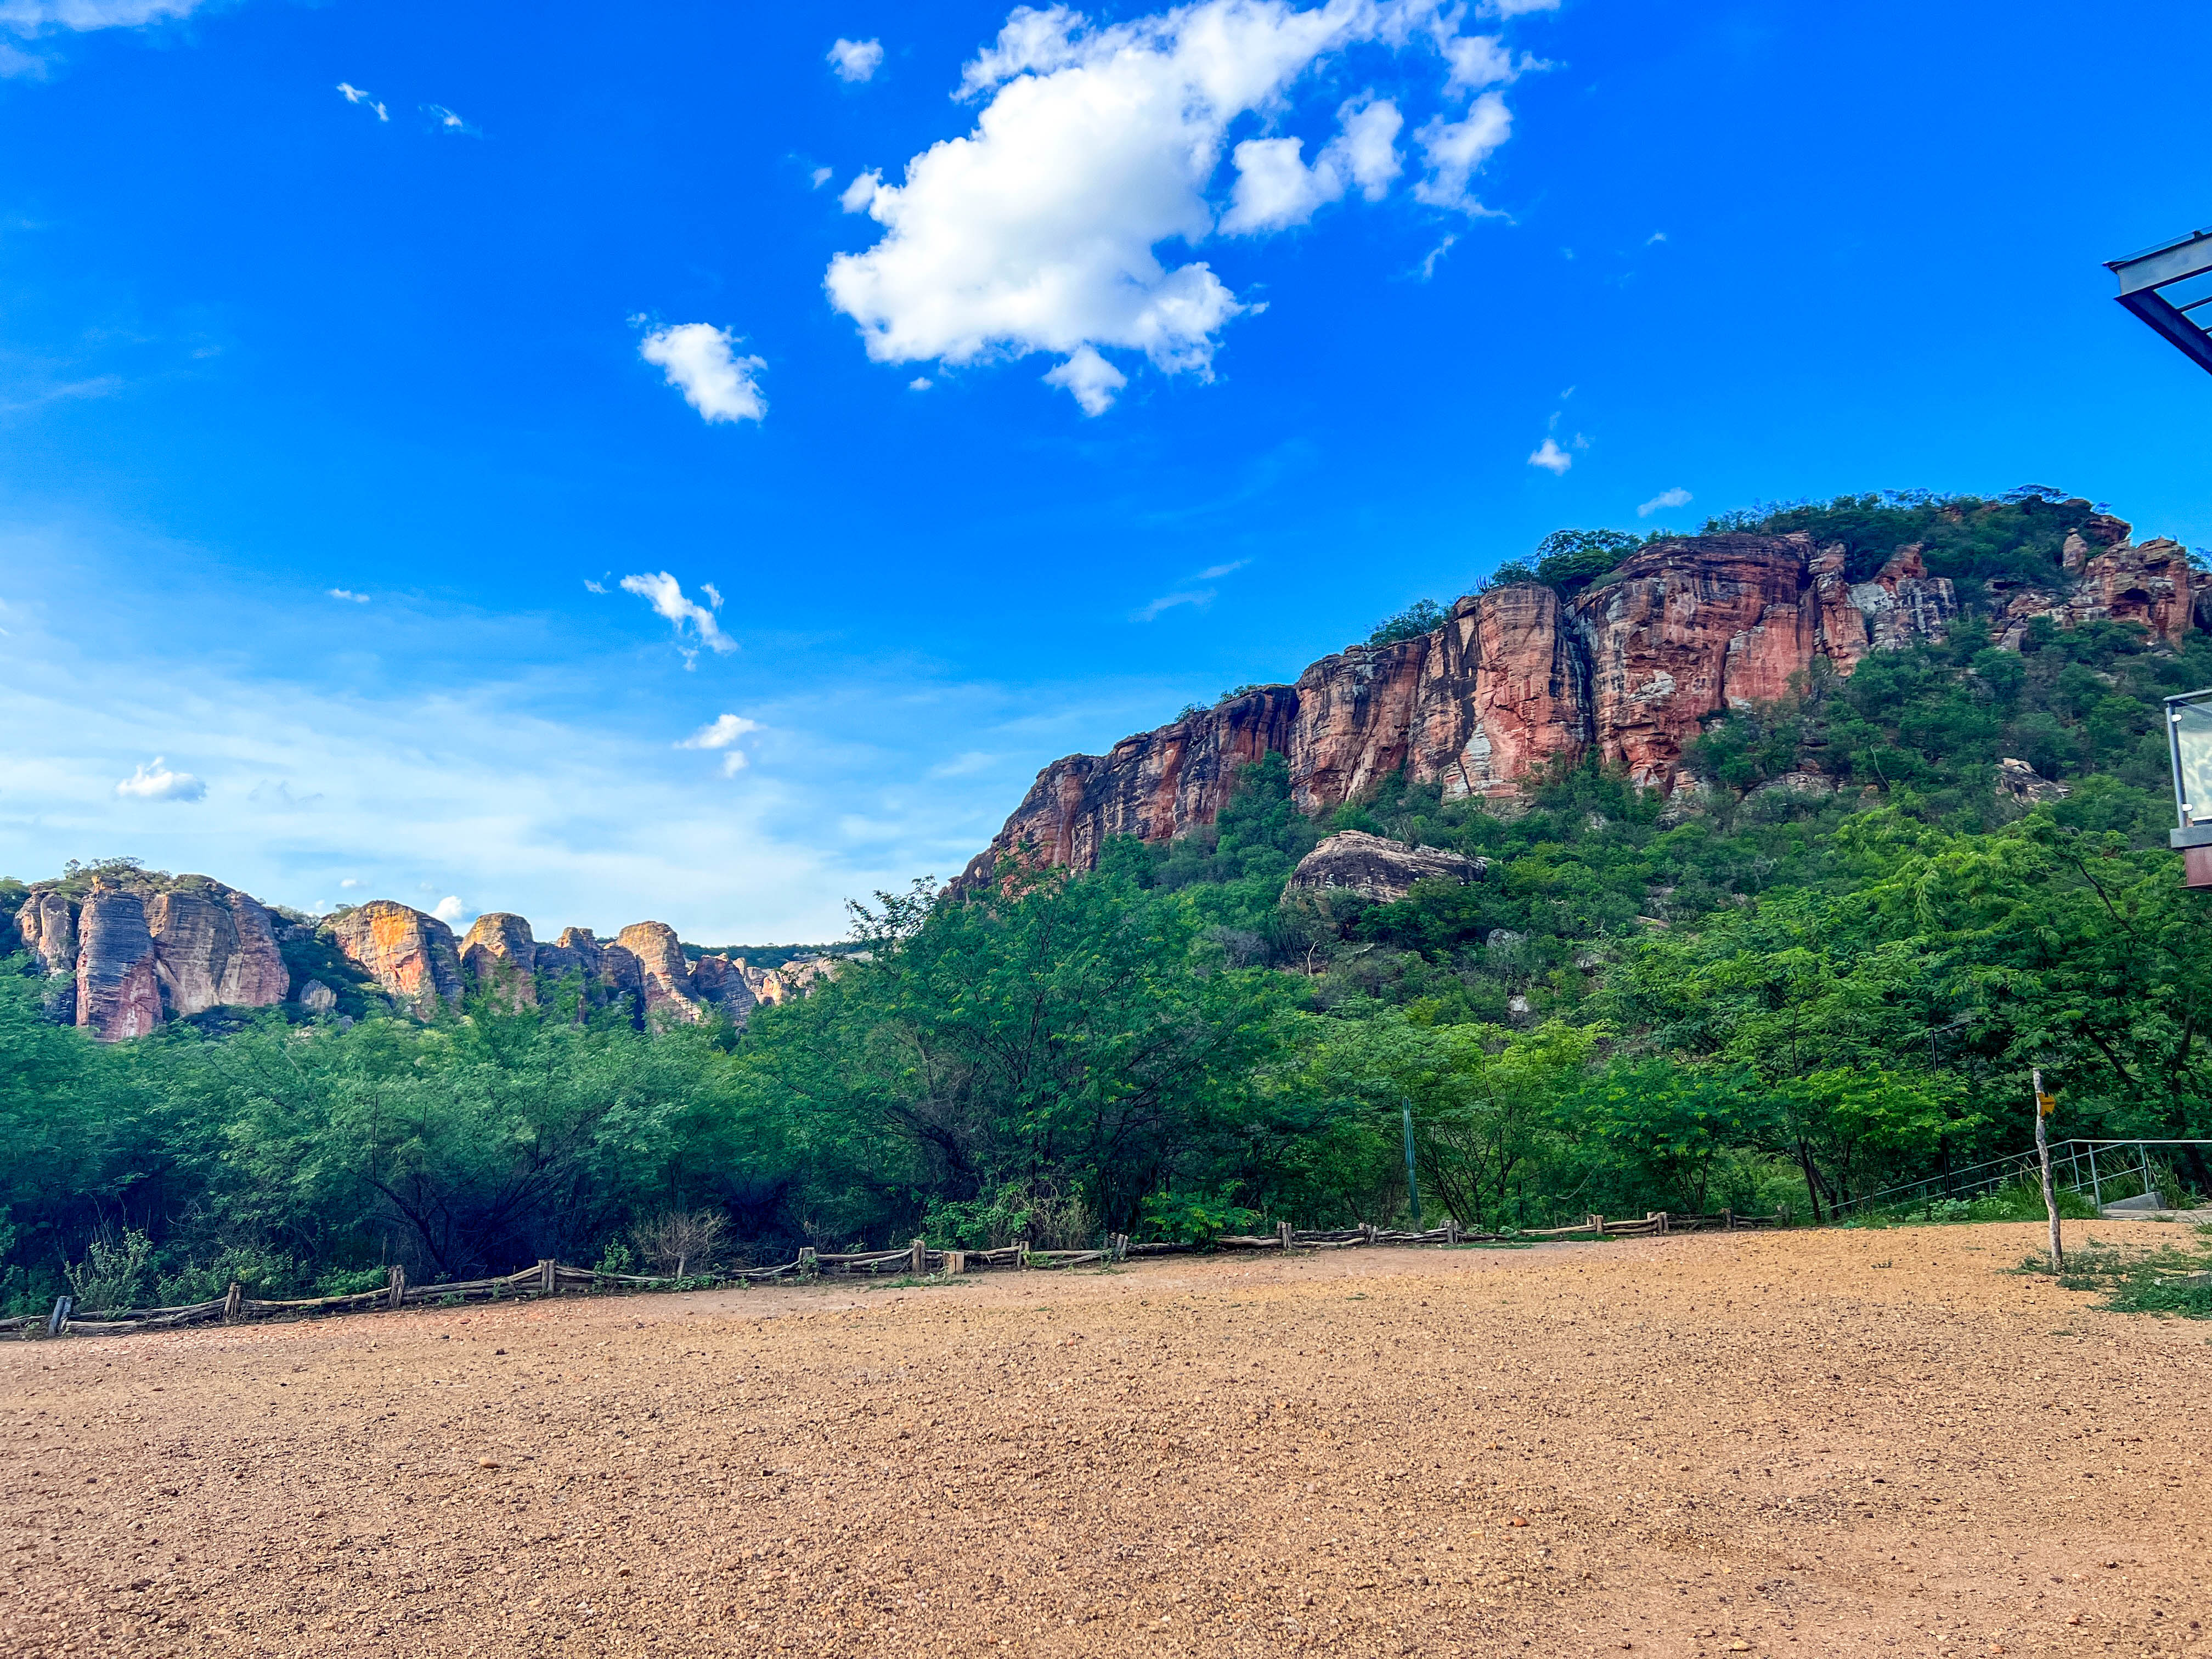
(2044, 1106)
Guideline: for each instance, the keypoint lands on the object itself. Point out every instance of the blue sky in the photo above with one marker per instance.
(326, 415)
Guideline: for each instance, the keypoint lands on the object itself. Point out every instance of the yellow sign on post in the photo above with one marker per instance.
(2046, 1104)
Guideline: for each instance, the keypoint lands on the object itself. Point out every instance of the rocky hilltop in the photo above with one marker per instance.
(1519, 676)
(140, 949)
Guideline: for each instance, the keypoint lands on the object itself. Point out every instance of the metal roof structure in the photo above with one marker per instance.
(2170, 287)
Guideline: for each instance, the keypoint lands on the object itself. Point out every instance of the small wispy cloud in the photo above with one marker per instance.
(347, 594)
(820, 177)
(665, 595)
(1677, 496)
(855, 60)
(1167, 602)
(444, 120)
(158, 782)
(351, 882)
(1428, 265)
(700, 361)
(1553, 458)
(354, 95)
(591, 587)
(962, 766)
(722, 733)
(1214, 571)
(1655, 236)
(920, 383)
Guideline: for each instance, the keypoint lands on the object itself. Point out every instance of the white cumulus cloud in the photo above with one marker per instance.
(1553, 458)
(451, 911)
(700, 361)
(665, 595)
(158, 782)
(856, 60)
(1040, 230)
(1677, 496)
(1454, 150)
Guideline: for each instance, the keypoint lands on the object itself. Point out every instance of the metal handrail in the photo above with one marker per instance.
(2075, 1155)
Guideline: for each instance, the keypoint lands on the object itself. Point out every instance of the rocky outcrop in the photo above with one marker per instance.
(412, 956)
(154, 947)
(214, 947)
(1518, 678)
(665, 977)
(499, 954)
(1374, 868)
(2017, 779)
(722, 982)
(2107, 577)
(47, 925)
(118, 993)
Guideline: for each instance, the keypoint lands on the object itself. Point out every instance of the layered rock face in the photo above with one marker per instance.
(118, 993)
(412, 957)
(1517, 677)
(166, 949)
(214, 947)
(1374, 868)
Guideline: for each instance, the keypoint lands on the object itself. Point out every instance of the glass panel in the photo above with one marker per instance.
(2192, 746)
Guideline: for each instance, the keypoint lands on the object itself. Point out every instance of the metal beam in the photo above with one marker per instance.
(2143, 275)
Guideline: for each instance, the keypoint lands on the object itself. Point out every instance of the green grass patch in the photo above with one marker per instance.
(2169, 1282)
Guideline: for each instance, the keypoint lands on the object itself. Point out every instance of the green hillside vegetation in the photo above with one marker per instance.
(1772, 995)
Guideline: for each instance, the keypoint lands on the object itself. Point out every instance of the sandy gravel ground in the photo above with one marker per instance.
(1787, 1445)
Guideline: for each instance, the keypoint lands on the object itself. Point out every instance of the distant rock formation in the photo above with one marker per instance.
(1517, 677)
(499, 952)
(412, 957)
(1374, 868)
(149, 947)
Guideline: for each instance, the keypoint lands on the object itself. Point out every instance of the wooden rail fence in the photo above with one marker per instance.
(550, 1278)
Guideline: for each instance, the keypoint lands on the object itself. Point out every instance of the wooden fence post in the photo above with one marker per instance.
(809, 1266)
(398, 1292)
(1659, 1216)
(1282, 1236)
(1366, 1232)
(956, 1263)
(918, 1258)
(231, 1298)
(1021, 1253)
(1727, 1220)
(59, 1322)
(1597, 1222)
(547, 1281)
(1118, 1244)
(1451, 1229)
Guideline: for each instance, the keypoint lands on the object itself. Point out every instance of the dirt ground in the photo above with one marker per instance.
(1786, 1444)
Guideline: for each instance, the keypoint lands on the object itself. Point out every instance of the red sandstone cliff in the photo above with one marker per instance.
(1517, 677)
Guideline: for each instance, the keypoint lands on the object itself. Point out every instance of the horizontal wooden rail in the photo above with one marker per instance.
(550, 1278)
